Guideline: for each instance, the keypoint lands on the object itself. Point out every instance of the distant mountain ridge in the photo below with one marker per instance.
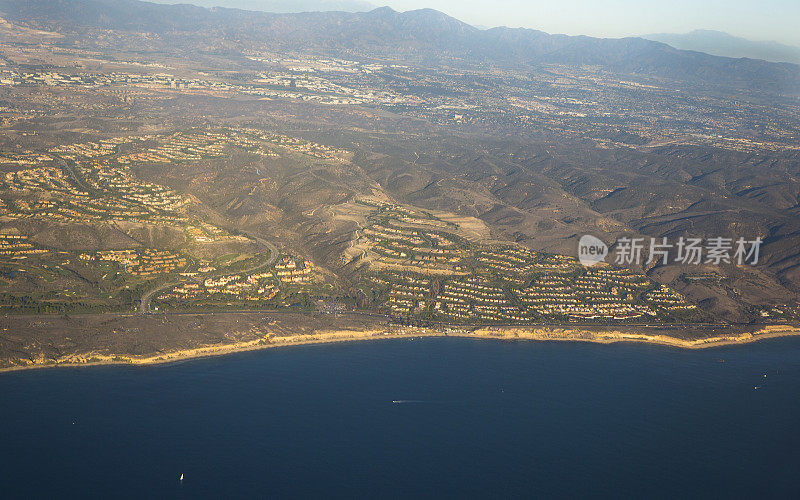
(283, 6)
(719, 43)
(423, 35)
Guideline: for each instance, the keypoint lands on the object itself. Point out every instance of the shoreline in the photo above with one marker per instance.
(557, 334)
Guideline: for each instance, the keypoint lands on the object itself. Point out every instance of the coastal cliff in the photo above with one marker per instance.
(40, 342)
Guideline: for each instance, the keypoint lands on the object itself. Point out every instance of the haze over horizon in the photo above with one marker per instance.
(767, 20)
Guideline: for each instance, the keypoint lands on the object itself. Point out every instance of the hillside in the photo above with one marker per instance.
(173, 158)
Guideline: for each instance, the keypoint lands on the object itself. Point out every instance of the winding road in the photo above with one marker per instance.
(147, 298)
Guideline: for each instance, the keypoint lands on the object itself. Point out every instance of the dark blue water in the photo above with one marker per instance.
(482, 418)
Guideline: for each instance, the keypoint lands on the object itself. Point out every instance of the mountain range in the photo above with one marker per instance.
(425, 36)
(284, 6)
(719, 43)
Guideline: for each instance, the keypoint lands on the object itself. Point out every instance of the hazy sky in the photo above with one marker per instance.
(755, 19)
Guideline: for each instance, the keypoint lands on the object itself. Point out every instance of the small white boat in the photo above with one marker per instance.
(181, 479)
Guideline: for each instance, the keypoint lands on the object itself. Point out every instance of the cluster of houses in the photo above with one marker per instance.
(402, 238)
(122, 198)
(497, 283)
(236, 286)
(596, 294)
(471, 297)
(103, 147)
(668, 299)
(26, 158)
(290, 270)
(508, 260)
(144, 263)
(593, 294)
(16, 246)
(41, 178)
(243, 287)
(180, 147)
(408, 294)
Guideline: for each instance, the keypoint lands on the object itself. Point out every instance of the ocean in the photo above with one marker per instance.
(409, 418)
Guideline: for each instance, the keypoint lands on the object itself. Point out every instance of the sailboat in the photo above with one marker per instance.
(181, 479)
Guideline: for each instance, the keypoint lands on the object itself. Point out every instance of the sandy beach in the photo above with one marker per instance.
(177, 338)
